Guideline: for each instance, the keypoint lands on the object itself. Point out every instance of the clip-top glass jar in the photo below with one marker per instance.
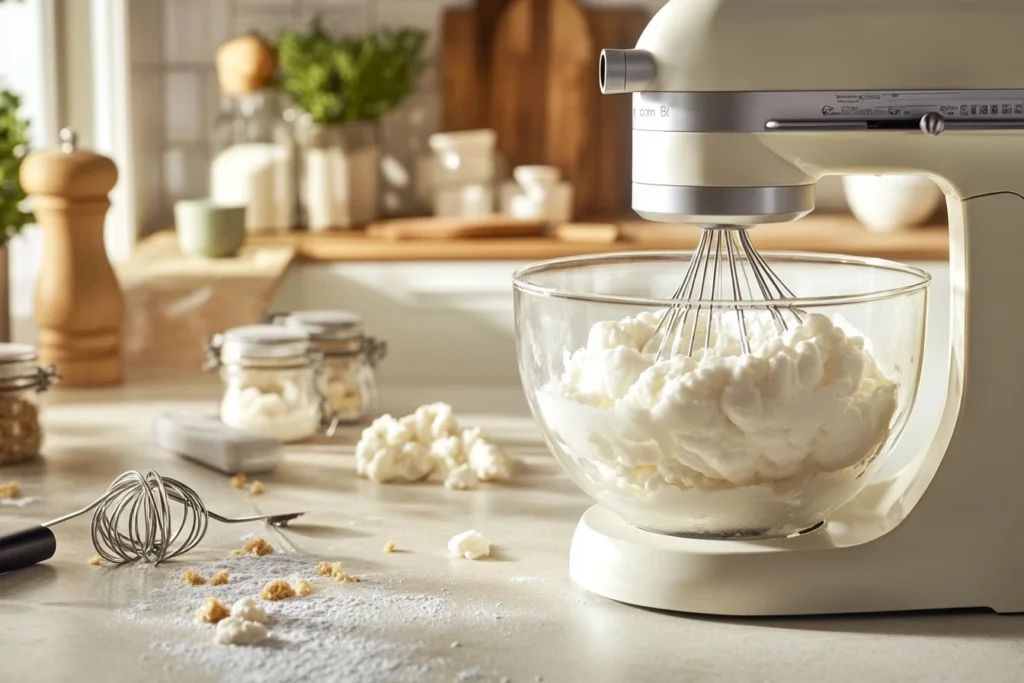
(271, 381)
(350, 357)
(21, 381)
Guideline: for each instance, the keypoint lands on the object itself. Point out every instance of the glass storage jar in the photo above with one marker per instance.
(338, 180)
(21, 381)
(350, 357)
(254, 164)
(271, 380)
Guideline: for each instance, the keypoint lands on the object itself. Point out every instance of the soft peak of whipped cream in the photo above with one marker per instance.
(810, 399)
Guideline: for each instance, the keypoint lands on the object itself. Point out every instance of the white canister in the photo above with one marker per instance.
(884, 203)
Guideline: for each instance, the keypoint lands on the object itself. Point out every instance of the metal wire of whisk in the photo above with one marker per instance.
(724, 266)
(134, 520)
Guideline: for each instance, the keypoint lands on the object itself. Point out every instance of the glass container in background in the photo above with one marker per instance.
(339, 183)
(465, 173)
(21, 381)
(272, 381)
(350, 357)
(254, 162)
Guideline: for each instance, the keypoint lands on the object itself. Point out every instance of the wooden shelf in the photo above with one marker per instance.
(825, 233)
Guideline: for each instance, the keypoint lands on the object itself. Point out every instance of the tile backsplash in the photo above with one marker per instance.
(175, 96)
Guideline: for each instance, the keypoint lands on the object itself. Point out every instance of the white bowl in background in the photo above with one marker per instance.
(890, 202)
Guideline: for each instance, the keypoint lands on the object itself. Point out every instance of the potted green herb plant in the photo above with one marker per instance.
(344, 87)
(13, 216)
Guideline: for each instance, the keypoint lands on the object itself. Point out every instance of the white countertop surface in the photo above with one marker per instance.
(64, 620)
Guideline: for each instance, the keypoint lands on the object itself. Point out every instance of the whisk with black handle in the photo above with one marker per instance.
(134, 520)
(726, 276)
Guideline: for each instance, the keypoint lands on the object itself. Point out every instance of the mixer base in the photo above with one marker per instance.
(843, 567)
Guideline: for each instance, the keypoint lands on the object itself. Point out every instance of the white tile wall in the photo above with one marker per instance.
(185, 172)
(184, 106)
(173, 44)
(193, 29)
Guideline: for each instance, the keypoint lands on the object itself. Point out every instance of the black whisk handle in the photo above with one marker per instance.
(26, 547)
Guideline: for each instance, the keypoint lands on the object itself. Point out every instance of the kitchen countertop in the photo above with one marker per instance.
(832, 233)
(60, 621)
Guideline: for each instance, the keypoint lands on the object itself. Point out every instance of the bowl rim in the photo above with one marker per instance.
(519, 279)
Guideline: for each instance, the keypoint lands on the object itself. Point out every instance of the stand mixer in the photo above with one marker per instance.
(739, 107)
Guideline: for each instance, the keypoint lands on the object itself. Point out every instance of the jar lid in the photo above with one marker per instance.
(326, 325)
(18, 361)
(262, 341)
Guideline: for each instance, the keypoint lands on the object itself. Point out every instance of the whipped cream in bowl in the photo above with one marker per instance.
(741, 427)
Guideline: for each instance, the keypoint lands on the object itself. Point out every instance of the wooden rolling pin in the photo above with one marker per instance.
(79, 306)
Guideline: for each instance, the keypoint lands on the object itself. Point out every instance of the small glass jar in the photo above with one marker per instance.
(254, 164)
(21, 382)
(338, 180)
(350, 357)
(271, 379)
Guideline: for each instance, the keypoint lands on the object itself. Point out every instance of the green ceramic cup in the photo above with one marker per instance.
(207, 230)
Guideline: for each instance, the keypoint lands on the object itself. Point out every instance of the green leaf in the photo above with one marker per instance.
(14, 143)
(341, 80)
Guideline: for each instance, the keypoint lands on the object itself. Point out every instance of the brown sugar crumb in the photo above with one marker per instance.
(302, 587)
(190, 577)
(238, 481)
(257, 488)
(220, 578)
(95, 560)
(211, 611)
(336, 572)
(10, 489)
(389, 547)
(277, 590)
(257, 546)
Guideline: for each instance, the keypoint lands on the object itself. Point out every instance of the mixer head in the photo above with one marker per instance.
(740, 106)
(629, 71)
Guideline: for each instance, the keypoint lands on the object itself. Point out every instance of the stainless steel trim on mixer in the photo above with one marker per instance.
(622, 71)
(713, 112)
(732, 205)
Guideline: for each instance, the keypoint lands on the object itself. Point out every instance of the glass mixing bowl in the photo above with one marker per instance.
(733, 445)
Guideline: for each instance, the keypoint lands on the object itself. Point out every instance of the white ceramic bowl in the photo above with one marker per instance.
(891, 202)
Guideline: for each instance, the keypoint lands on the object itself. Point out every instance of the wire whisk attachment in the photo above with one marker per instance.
(725, 267)
(135, 519)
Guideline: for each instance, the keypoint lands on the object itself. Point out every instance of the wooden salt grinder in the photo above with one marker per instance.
(79, 306)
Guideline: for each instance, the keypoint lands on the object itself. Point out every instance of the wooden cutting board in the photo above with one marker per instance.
(536, 107)
(442, 228)
(613, 150)
(543, 59)
(466, 35)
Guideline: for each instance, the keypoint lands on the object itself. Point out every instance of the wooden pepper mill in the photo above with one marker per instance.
(79, 306)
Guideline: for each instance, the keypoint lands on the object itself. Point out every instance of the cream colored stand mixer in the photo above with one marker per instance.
(739, 107)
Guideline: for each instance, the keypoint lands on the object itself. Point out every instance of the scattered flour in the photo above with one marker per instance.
(341, 632)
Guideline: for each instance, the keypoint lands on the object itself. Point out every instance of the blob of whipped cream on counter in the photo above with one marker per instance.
(810, 400)
(429, 444)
